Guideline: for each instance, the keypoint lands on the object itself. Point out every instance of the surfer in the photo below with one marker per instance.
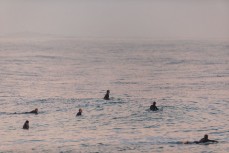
(79, 113)
(35, 111)
(26, 125)
(106, 97)
(153, 107)
(203, 140)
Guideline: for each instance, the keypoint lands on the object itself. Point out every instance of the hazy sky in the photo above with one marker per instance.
(117, 18)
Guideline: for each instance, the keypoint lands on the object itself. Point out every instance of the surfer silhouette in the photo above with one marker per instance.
(35, 111)
(80, 112)
(26, 125)
(153, 107)
(203, 140)
(106, 97)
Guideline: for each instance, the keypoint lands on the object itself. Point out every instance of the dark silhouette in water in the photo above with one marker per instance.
(203, 140)
(106, 97)
(153, 107)
(35, 111)
(79, 113)
(26, 125)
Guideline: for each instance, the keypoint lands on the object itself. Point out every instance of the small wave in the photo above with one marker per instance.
(115, 102)
(152, 126)
(3, 113)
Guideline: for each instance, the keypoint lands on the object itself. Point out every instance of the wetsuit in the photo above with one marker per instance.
(78, 114)
(203, 140)
(153, 108)
(106, 97)
(26, 125)
(34, 112)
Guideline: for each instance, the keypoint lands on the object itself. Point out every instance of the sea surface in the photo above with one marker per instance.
(188, 79)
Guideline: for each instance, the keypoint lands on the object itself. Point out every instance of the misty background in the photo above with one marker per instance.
(159, 19)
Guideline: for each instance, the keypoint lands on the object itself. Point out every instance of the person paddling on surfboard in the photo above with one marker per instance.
(35, 111)
(203, 140)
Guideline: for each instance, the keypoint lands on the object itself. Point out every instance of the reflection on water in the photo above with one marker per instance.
(189, 80)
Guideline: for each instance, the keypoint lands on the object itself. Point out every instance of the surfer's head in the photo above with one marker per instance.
(154, 103)
(108, 91)
(80, 110)
(206, 137)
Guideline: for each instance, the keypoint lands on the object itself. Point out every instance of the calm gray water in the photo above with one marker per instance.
(189, 80)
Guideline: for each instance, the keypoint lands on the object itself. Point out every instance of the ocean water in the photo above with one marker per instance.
(189, 80)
